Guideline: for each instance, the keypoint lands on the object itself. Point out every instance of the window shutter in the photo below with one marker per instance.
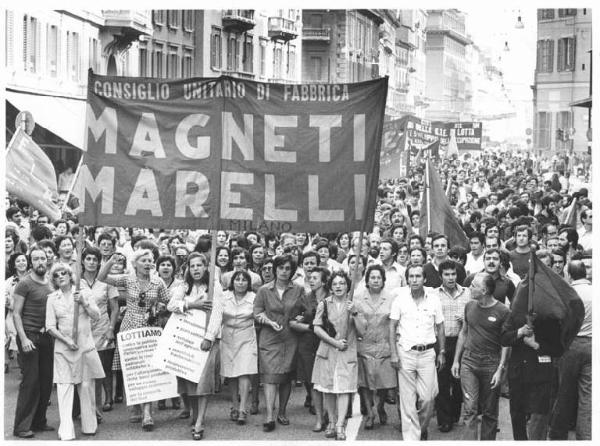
(539, 56)
(10, 39)
(551, 58)
(572, 53)
(560, 66)
(25, 44)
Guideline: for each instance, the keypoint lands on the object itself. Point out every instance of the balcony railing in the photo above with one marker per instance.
(135, 22)
(317, 34)
(238, 20)
(445, 29)
(281, 28)
(239, 74)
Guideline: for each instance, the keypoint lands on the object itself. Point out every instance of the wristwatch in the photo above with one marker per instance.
(354, 313)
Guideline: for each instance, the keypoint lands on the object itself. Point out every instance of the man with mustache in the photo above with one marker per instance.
(35, 348)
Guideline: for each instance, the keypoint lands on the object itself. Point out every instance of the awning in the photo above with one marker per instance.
(587, 103)
(63, 116)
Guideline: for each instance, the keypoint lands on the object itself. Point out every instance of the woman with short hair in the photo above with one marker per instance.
(76, 361)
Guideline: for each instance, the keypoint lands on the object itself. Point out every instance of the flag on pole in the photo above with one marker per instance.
(30, 174)
(437, 214)
(569, 216)
(452, 145)
(549, 301)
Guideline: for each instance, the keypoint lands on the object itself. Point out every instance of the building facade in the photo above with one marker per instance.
(46, 60)
(562, 79)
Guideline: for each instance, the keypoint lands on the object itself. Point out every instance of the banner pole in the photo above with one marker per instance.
(212, 264)
(428, 196)
(64, 206)
(78, 272)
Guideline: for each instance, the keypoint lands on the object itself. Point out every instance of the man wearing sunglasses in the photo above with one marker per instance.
(35, 348)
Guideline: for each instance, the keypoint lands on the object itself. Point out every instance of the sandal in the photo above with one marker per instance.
(340, 433)
(283, 420)
(243, 415)
(382, 415)
(319, 427)
(135, 419)
(162, 405)
(330, 431)
(184, 414)
(254, 408)
(148, 424)
(108, 406)
(369, 422)
(234, 414)
(197, 435)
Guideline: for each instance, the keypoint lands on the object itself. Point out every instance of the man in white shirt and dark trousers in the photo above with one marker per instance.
(574, 397)
(416, 323)
(453, 298)
(479, 359)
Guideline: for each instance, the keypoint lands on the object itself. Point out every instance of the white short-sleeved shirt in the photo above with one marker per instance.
(416, 323)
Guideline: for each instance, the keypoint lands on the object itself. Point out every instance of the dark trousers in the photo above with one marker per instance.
(530, 406)
(36, 382)
(449, 398)
(574, 396)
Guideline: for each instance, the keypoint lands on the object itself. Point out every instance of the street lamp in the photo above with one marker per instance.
(506, 48)
(519, 24)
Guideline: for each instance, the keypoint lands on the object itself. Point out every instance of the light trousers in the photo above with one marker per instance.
(418, 386)
(87, 399)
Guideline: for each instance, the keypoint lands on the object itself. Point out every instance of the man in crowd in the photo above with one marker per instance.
(546, 215)
(504, 288)
(519, 257)
(475, 255)
(479, 359)
(558, 260)
(394, 272)
(574, 396)
(585, 233)
(453, 298)
(416, 323)
(35, 348)
(439, 244)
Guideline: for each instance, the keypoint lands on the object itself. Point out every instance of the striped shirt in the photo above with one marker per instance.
(453, 308)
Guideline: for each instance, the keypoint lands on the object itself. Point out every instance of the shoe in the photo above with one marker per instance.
(44, 428)
(234, 414)
(89, 434)
(176, 405)
(369, 423)
(307, 402)
(312, 410)
(283, 420)
(382, 415)
(184, 414)
(162, 405)
(319, 427)
(148, 424)
(340, 433)
(424, 435)
(135, 419)
(390, 400)
(330, 431)
(254, 408)
(242, 417)
(269, 426)
(24, 434)
(99, 418)
(107, 407)
(446, 427)
(119, 399)
(197, 435)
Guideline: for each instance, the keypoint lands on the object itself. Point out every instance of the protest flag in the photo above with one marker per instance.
(30, 174)
(547, 300)
(569, 216)
(437, 214)
(452, 145)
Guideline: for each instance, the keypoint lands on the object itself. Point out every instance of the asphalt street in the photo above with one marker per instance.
(115, 425)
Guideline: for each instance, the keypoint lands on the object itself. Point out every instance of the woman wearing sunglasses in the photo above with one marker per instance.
(76, 361)
(145, 292)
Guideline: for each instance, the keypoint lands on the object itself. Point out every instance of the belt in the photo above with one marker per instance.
(422, 347)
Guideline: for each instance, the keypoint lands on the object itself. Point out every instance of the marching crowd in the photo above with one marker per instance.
(400, 317)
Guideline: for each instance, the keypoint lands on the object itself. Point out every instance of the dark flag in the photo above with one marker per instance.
(442, 220)
(548, 301)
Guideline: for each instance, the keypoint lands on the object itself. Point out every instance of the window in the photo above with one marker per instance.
(94, 47)
(543, 130)
(277, 60)
(316, 64)
(157, 62)
(158, 15)
(10, 39)
(73, 55)
(545, 14)
(545, 56)
(215, 49)
(31, 44)
(263, 57)
(172, 63)
(566, 54)
(173, 18)
(232, 53)
(186, 65)
(292, 62)
(143, 61)
(188, 20)
(52, 50)
(248, 54)
(564, 121)
(567, 12)
(316, 21)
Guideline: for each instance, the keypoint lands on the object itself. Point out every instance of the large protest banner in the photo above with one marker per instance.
(178, 349)
(143, 382)
(230, 153)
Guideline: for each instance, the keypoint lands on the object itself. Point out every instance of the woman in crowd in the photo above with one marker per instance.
(398, 232)
(257, 257)
(193, 296)
(106, 244)
(233, 316)
(417, 256)
(76, 361)
(65, 248)
(375, 372)
(221, 238)
(240, 259)
(308, 342)
(181, 255)
(166, 267)
(343, 242)
(302, 241)
(335, 371)
(144, 293)
(11, 240)
(223, 257)
(276, 304)
(17, 269)
(105, 298)
(266, 271)
(271, 244)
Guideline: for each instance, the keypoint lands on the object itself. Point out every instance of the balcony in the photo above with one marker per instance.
(454, 34)
(281, 28)
(316, 35)
(127, 22)
(238, 20)
(239, 74)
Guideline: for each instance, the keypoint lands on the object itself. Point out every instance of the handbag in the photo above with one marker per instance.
(327, 325)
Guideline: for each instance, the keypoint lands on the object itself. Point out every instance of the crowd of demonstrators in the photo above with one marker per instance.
(405, 318)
